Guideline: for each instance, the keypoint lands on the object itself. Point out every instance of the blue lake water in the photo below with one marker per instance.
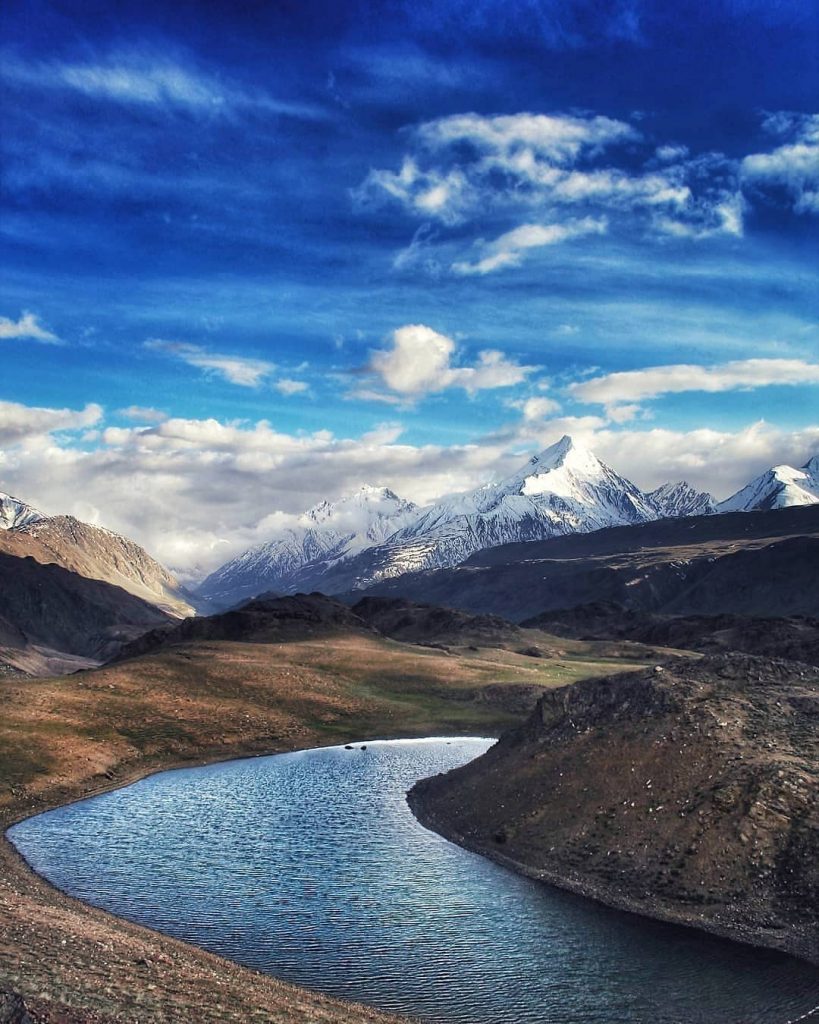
(311, 867)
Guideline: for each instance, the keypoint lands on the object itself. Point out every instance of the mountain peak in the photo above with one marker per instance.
(811, 467)
(14, 512)
(555, 454)
(565, 455)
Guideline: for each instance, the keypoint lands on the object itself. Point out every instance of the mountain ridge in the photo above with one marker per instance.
(565, 489)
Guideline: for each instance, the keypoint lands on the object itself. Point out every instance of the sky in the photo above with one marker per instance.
(255, 255)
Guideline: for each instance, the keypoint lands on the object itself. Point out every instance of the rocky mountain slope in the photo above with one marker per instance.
(681, 499)
(757, 563)
(45, 611)
(98, 554)
(431, 625)
(686, 792)
(779, 487)
(266, 620)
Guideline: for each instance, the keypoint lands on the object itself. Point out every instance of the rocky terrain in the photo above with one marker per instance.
(432, 625)
(749, 563)
(795, 638)
(687, 791)
(265, 620)
(48, 615)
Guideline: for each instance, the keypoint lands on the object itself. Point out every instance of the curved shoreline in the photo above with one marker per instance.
(198, 975)
(602, 894)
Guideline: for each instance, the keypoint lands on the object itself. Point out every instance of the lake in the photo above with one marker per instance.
(311, 867)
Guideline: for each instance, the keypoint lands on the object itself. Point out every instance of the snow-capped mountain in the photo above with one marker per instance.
(779, 487)
(326, 535)
(565, 489)
(14, 513)
(673, 501)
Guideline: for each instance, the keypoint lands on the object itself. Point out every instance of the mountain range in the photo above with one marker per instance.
(372, 535)
(564, 490)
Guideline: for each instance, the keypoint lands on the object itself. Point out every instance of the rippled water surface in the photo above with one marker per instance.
(311, 867)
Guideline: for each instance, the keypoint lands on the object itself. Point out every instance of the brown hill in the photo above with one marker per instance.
(431, 624)
(99, 554)
(46, 606)
(686, 792)
(795, 638)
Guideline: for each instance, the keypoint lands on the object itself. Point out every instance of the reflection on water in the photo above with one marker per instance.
(311, 867)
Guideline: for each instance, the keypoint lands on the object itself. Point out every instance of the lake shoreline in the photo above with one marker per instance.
(599, 894)
(145, 959)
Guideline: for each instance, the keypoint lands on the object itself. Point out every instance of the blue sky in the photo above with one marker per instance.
(255, 254)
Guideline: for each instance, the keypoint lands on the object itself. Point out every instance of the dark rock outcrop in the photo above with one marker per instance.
(686, 792)
(266, 620)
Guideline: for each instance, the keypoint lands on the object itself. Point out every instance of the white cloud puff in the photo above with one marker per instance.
(419, 362)
(24, 423)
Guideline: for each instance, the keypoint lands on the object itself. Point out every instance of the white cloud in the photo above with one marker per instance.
(467, 165)
(743, 374)
(247, 373)
(536, 408)
(419, 362)
(671, 153)
(24, 423)
(286, 386)
(792, 167)
(26, 326)
(559, 138)
(623, 413)
(507, 250)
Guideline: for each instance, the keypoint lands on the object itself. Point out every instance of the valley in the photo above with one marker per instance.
(631, 644)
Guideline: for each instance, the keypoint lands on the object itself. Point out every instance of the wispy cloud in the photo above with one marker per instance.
(145, 77)
(248, 373)
(287, 386)
(508, 249)
(26, 326)
(744, 374)
(460, 168)
(143, 414)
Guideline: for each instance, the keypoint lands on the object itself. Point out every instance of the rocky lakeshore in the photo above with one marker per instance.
(685, 792)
